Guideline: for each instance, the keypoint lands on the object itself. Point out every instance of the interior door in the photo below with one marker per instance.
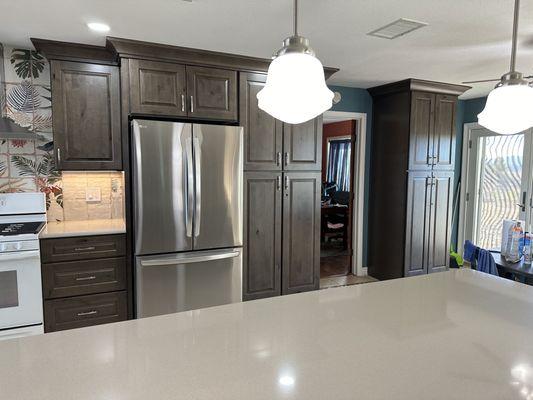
(441, 219)
(162, 186)
(417, 223)
(218, 186)
(301, 232)
(212, 93)
(263, 134)
(262, 234)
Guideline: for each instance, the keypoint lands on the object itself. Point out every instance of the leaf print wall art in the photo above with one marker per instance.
(27, 63)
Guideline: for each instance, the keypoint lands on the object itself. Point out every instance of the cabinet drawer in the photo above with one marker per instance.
(83, 311)
(82, 248)
(76, 278)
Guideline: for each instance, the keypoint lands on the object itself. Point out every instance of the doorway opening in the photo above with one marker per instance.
(338, 141)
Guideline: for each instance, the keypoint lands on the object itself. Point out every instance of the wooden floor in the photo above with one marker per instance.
(334, 266)
(336, 281)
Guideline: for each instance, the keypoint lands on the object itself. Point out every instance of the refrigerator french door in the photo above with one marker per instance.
(187, 194)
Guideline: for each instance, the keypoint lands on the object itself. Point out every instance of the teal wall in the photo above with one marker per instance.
(359, 100)
(467, 111)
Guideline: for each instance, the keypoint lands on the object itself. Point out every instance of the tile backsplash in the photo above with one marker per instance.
(29, 165)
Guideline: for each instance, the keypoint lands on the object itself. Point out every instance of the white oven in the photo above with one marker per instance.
(22, 216)
(20, 286)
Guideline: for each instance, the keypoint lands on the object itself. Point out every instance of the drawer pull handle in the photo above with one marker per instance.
(86, 278)
(88, 248)
(84, 314)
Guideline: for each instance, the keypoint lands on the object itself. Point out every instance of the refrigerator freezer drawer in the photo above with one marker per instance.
(187, 281)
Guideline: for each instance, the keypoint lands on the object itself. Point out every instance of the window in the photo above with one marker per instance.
(339, 158)
(496, 185)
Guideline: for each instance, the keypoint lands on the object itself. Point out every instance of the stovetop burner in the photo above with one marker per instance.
(20, 228)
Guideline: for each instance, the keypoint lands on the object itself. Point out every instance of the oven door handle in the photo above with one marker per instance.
(19, 255)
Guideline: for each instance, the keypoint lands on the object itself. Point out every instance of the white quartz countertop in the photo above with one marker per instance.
(452, 335)
(83, 228)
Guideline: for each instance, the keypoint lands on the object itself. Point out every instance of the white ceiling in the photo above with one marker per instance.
(465, 39)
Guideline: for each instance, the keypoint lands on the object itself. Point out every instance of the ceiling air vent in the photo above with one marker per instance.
(397, 28)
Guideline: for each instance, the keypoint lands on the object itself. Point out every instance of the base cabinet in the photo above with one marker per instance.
(84, 281)
(282, 233)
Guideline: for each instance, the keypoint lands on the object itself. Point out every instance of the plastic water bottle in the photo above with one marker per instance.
(514, 246)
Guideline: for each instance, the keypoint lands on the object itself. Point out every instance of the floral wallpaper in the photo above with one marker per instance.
(29, 165)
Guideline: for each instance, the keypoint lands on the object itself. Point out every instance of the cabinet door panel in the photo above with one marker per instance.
(422, 126)
(212, 93)
(157, 88)
(302, 146)
(441, 219)
(262, 235)
(301, 232)
(262, 132)
(444, 137)
(86, 116)
(417, 223)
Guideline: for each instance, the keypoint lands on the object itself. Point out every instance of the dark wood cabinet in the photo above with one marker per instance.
(86, 116)
(302, 145)
(444, 132)
(422, 124)
(212, 93)
(158, 88)
(262, 234)
(417, 223)
(85, 281)
(78, 312)
(441, 219)
(178, 90)
(263, 134)
(76, 278)
(301, 232)
(411, 186)
(82, 248)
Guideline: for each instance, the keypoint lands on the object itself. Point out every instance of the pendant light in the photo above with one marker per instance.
(509, 107)
(295, 90)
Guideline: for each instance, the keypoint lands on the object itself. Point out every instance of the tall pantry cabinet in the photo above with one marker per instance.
(411, 188)
(282, 181)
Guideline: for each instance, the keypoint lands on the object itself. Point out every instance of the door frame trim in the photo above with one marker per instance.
(358, 183)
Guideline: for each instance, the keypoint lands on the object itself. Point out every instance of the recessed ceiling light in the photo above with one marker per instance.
(98, 27)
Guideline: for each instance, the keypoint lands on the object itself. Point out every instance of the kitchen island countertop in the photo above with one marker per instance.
(459, 334)
(55, 229)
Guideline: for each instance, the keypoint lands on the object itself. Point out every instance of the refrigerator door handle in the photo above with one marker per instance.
(189, 200)
(198, 186)
(189, 259)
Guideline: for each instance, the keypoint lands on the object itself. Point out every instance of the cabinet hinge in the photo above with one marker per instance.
(467, 196)
(470, 144)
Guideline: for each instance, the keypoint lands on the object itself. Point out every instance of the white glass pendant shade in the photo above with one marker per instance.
(509, 110)
(295, 91)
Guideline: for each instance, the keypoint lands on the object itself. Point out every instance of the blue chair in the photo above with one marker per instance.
(480, 259)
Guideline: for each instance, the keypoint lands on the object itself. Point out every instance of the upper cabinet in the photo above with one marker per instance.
(86, 116)
(212, 93)
(158, 88)
(302, 146)
(162, 88)
(432, 131)
(263, 134)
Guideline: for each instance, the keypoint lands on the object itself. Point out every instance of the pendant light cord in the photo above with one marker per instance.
(296, 17)
(515, 35)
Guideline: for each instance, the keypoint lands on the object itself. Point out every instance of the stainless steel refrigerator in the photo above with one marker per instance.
(187, 195)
